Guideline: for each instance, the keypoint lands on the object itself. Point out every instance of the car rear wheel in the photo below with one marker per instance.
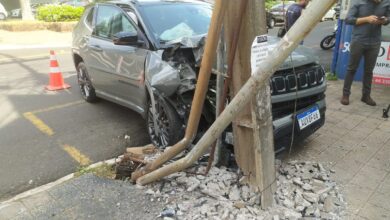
(86, 88)
(2, 16)
(169, 130)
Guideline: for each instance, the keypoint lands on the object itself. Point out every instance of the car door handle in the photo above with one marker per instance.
(96, 48)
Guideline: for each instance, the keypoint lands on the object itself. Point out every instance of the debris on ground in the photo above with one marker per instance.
(304, 190)
(133, 159)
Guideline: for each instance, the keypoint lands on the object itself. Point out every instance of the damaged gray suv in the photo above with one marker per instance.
(146, 55)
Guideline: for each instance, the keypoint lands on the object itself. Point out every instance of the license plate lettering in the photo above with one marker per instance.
(308, 117)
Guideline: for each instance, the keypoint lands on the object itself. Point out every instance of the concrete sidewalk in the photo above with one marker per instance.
(355, 138)
(34, 39)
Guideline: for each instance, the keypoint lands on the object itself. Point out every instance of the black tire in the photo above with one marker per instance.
(328, 42)
(168, 123)
(85, 84)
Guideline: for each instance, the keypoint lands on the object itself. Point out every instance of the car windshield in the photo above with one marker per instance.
(174, 21)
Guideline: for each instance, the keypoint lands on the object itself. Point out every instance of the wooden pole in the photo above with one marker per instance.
(253, 136)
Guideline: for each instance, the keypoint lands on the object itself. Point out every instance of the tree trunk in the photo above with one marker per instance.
(25, 5)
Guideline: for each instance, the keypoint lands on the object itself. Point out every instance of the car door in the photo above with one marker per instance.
(129, 62)
(97, 60)
(119, 68)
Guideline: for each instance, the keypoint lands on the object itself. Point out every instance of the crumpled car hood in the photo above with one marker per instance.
(301, 56)
(188, 42)
(164, 77)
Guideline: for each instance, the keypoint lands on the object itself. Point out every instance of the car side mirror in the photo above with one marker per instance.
(126, 38)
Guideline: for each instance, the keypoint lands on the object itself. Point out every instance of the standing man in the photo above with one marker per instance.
(367, 16)
(294, 12)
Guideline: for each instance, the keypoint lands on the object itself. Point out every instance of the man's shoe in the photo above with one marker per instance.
(344, 100)
(368, 100)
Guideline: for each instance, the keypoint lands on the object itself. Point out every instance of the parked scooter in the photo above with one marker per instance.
(329, 41)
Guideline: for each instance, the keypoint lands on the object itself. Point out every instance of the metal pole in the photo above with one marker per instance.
(285, 47)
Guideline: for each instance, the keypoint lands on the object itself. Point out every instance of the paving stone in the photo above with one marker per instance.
(332, 154)
(36, 200)
(65, 194)
(47, 211)
(374, 212)
(385, 185)
(12, 210)
(380, 199)
(343, 174)
(356, 196)
(376, 176)
(23, 216)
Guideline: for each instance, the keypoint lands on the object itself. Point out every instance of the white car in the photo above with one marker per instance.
(330, 15)
(16, 13)
(3, 13)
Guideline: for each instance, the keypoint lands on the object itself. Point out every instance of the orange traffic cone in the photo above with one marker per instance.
(56, 82)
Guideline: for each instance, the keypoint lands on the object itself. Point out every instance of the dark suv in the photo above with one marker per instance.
(146, 55)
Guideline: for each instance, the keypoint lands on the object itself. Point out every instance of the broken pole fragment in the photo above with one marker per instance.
(257, 81)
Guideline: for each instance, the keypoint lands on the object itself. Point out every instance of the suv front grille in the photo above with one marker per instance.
(285, 81)
(282, 109)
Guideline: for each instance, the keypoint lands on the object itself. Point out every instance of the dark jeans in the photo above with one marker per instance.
(370, 53)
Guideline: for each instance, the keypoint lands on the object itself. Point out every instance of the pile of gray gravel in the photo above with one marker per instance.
(304, 189)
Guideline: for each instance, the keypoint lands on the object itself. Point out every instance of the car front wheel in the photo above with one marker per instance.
(169, 129)
(2, 16)
(85, 84)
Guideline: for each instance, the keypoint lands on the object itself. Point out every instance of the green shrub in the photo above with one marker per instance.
(331, 77)
(55, 13)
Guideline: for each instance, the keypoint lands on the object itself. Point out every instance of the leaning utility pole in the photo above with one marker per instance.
(252, 127)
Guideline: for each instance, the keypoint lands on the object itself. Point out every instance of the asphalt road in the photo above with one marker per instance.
(46, 135)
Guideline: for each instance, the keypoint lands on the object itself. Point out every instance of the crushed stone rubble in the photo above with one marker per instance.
(304, 191)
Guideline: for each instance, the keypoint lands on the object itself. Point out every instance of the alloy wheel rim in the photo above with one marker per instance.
(84, 83)
(160, 139)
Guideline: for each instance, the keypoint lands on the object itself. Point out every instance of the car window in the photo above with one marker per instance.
(120, 23)
(111, 20)
(173, 21)
(89, 18)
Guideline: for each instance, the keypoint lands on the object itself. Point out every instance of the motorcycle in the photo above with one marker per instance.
(329, 41)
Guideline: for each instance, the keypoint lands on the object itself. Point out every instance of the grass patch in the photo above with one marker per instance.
(331, 77)
(104, 170)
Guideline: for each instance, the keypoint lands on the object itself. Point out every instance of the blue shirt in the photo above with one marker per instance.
(292, 15)
(367, 34)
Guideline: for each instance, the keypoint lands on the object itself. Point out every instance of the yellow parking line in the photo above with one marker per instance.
(58, 106)
(77, 155)
(38, 123)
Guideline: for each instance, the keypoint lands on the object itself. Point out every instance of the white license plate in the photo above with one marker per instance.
(308, 117)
